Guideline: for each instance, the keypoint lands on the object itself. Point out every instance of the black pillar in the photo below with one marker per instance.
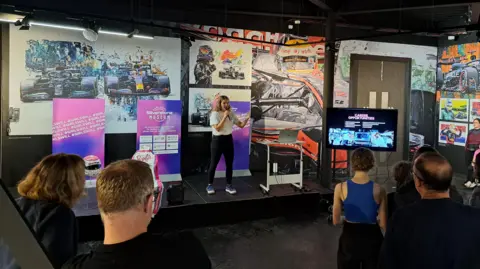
(328, 84)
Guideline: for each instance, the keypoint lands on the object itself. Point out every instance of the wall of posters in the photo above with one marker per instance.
(474, 109)
(200, 104)
(454, 109)
(50, 63)
(215, 63)
(453, 133)
(159, 130)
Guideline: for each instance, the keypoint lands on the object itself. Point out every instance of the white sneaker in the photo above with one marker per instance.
(473, 185)
(468, 184)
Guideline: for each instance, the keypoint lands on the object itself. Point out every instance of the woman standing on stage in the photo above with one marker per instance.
(222, 119)
(472, 144)
(363, 201)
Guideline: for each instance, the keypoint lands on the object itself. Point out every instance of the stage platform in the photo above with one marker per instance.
(200, 209)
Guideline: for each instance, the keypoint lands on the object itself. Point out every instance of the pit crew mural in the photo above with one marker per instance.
(56, 63)
(423, 72)
(454, 109)
(452, 133)
(226, 64)
(286, 92)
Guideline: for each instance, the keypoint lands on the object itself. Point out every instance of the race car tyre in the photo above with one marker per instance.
(439, 78)
(195, 118)
(256, 113)
(163, 82)
(111, 83)
(89, 84)
(241, 76)
(221, 74)
(468, 74)
(25, 87)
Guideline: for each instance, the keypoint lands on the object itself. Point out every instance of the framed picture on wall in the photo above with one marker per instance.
(474, 109)
(452, 133)
(453, 109)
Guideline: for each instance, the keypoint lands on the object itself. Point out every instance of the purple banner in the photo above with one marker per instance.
(78, 127)
(159, 130)
(241, 139)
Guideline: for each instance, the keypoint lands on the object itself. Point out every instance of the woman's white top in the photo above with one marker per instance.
(216, 118)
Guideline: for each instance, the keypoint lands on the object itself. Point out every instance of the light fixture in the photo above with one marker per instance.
(112, 33)
(7, 20)
(90, 31)
(24, 23)
(57, 26)
(290, 26)
(297, 21)
(143, 36)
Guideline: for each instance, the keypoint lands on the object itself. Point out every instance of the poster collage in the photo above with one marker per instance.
(457, 83)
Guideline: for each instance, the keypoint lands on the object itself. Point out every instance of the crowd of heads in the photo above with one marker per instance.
(123, 186)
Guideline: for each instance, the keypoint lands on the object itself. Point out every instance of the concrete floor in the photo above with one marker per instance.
(272, 244)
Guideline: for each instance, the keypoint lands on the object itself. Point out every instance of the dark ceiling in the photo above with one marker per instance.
(355, 18)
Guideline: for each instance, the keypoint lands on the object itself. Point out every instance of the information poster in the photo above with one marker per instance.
(159, 130)
(78, 127)
(241, 139)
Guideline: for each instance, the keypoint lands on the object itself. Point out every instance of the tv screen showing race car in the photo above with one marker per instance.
(351, 128)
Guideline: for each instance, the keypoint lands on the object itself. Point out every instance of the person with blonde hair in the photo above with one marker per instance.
(47, 195)
(125, 195)
(222, 119)
(365, 206)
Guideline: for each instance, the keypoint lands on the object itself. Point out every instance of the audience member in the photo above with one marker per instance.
(125, 199)
(401, 174)
(475, 198)
(363, 201)
(48, 193)
(406, 192)
(434, 232)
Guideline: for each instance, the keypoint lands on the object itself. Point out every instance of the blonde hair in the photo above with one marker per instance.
(362, 160)
(218, 102)
(56, 178)
(123, 185)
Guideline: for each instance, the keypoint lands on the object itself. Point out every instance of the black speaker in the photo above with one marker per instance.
(175, 194)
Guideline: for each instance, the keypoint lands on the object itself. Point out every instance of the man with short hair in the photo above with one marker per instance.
(125, 199)
(435, 232)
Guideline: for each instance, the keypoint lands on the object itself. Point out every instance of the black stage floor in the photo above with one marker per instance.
(200, 209)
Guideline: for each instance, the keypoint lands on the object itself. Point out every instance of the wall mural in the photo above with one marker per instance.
(287, 86)
(47, 64)
(459, 92)
(422, 94)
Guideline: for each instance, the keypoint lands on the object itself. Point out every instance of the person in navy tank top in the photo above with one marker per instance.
(365, 207)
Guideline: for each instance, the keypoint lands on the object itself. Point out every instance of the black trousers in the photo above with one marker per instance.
(359, 246)
(221, 145)
(468, 163)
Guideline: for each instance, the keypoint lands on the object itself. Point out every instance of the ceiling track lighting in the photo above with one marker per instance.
(24, 23)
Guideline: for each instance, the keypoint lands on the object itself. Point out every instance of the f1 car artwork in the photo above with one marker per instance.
(231, 72)
(137, 79)
(201, 117)
(462, 77)
(56, 83)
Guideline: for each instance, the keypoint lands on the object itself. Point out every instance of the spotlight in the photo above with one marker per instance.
(91, 31)
(290, 26)
(24, 23)
(297, 22)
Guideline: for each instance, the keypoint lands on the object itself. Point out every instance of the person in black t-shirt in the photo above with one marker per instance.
(435, 232)
(125, 199)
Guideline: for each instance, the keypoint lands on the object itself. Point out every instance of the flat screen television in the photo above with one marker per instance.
(351, 128)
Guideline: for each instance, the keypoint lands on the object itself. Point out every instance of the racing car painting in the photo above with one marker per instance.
(137, 79)
(201, 117)
(58, 83)
(462, 77)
